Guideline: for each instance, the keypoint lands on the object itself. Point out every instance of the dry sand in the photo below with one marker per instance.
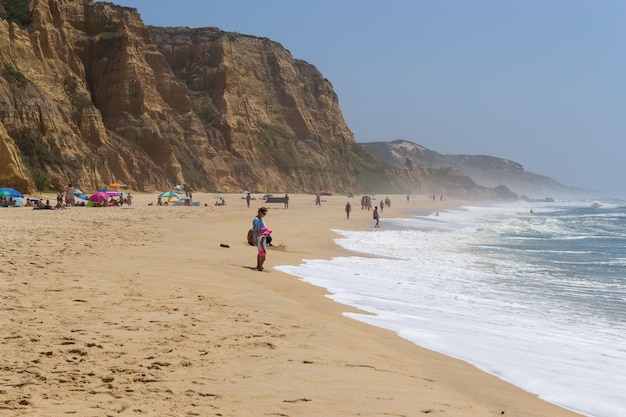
(138, 311)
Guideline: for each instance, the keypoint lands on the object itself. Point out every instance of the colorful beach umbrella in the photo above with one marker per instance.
(98, 197)
(169, 194)
(10, 192)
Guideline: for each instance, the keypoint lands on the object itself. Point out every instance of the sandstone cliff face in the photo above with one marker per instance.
(86, 97)
(277, 124)
(90, 96)
(53, 106)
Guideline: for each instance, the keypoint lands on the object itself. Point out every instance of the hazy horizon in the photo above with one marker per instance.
(539, 83)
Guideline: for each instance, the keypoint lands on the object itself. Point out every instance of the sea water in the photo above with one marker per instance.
(536, 298)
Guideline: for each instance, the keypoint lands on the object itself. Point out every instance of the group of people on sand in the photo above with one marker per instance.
(7, 202)
(260, 235)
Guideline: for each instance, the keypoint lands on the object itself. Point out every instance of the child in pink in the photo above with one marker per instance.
(262, 245)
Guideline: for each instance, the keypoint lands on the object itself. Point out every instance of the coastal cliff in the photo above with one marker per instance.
(87, 98)
(90, 95)
(487, 171)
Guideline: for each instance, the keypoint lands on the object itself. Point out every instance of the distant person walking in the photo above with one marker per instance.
(248, 199)
(286, 200)
(348, 210)
(318, 200)
(376, 217)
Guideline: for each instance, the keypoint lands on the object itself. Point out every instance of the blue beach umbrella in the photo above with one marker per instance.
(10, 192)
(169, 194)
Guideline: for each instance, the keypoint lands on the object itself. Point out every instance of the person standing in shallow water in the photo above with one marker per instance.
(376, 217)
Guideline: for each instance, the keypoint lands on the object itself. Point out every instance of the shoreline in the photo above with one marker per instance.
(148, 314)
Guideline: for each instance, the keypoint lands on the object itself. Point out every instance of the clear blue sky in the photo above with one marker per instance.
(540, 82)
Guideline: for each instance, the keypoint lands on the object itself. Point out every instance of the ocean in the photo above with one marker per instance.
(536, 298)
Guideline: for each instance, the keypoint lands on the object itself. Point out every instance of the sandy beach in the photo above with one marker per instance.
(158, 311)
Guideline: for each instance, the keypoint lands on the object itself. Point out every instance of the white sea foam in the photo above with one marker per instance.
(437, 282)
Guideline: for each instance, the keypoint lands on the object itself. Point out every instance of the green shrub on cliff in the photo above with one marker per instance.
(202, 105)
(15, 11)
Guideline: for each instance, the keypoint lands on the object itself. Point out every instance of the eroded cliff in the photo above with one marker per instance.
(90, 96)
(86, 97)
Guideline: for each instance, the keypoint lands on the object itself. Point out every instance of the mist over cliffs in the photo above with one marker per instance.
(90, 95)
(484, 170)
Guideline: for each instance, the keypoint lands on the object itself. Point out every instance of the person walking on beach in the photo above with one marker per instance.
(69, 195)
(286, 200)
(318, 201)
(248, 199)
(262, 247)
(376, 217)
(348, 210)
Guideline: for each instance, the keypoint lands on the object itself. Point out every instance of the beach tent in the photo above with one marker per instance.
(81, 195)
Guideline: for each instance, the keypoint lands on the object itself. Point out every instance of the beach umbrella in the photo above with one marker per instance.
(114, 193)
(10, 192)
(179, 187)
(99, 197)
(169, 194)
(219, 196)
(117, 185)
(81, 195)
(185, 198)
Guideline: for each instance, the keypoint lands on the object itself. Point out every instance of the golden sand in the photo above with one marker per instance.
(139, 311)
